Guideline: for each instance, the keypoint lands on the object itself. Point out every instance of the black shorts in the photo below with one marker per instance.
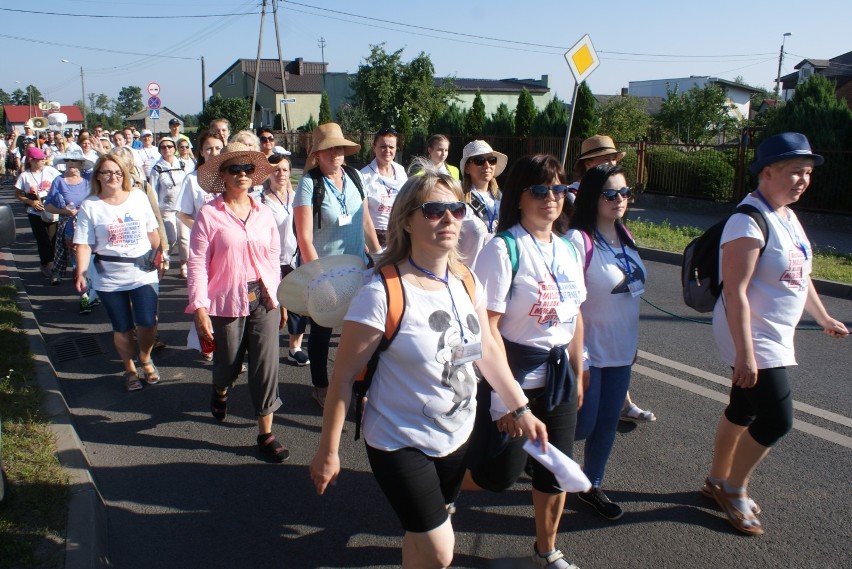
(418, 486)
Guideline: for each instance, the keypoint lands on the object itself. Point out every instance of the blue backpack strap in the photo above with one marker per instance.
(512, 249)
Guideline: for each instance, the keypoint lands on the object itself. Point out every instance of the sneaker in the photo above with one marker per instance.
(95, 302)
(601, 504)
(55, 281)
(299, 357)
(634, 414)
(555, 560)
(85, 307)
(319, 396)
(207, 356)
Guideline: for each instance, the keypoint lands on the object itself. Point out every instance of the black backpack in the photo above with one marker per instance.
(699, 271)
(319, 188)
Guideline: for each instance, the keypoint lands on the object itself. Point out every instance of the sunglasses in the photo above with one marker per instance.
(386, 130)
(612, 195)
(480, 160)
(433, 211)
(540, 192)
(267, 138)
(167, 146)
(235, 169)
(183, 147)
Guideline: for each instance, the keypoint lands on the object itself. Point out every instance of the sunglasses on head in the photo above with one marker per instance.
(612, 195)
(433, 211)
(267, 138)
(480, 160)
(235, 169)
(541, 191)
(386, 130)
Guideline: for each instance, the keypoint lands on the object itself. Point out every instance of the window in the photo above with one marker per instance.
(230, 80)
(805, 72)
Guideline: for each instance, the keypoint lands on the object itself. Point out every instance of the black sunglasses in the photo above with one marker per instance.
(267, 138)
(183, 147)
(386, 130)
(480, 160)
(611, 195)
(433, 211)
(540, 192)
(235, 169)
(167, 146)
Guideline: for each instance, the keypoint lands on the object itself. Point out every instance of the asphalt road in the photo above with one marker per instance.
(185, 491)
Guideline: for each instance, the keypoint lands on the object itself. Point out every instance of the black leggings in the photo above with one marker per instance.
(45, 236)
(766, 409)
(318, 343)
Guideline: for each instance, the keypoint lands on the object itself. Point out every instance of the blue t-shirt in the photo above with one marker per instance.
(62, 193)
(333, 238)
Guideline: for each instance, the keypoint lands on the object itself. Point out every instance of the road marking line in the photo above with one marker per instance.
(803, 426)
(726, 381)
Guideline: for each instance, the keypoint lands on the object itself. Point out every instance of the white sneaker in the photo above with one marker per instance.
(555, 560)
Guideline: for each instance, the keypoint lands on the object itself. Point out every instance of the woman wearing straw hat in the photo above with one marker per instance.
(480, 165)
(232, 279)
(337, 224)
(420, 409)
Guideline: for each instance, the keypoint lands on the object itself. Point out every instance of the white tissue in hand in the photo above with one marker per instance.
(568, 473)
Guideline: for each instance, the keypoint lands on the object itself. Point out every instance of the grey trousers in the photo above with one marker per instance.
(257, 333)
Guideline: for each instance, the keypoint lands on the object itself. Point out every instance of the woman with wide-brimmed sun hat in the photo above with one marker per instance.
(331, 218)
(480, 165)
(232, 280)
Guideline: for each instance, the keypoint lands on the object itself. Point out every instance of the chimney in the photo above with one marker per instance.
(300, 66)
(624, 91)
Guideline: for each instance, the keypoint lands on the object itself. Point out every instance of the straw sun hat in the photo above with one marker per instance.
(598, 145)
(323, 288)
(326, 136)
(478, 148)
(211, 180)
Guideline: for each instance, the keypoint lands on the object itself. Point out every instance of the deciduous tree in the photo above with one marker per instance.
(697, 116)
(129, 101)
(237, 110)
(625, 118)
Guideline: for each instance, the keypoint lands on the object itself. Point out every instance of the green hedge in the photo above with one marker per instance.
(707, 174)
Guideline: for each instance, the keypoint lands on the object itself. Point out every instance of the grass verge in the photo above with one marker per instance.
(33, 512)
(828, 263)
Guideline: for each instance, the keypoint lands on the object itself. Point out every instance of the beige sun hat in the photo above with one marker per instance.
(208, 173)
(323, 288)
(329, 135)
(478, 148)
(598, 145)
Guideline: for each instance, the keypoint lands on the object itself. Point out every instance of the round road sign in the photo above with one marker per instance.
(153, 89)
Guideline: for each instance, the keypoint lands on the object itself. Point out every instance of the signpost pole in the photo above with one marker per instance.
(570, 122)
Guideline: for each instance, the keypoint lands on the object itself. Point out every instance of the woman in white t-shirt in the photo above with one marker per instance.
(533, 306)
(116, 232)
(420, 407)
(382, 180)
(480, 165)
(767, 286)
(31, 188)
(615, 277)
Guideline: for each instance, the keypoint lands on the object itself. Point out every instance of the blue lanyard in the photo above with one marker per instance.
(791, 231)
(626, 268)
(492, 216)
(341, 196)
(287, 205)
(388, 188)
(446, 281)
(552, 268)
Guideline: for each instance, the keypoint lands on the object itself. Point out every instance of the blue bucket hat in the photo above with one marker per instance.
(782, 147)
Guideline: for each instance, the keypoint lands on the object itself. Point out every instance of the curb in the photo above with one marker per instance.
(86, 542)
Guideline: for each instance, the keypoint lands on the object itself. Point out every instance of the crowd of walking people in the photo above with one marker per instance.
(532, 285)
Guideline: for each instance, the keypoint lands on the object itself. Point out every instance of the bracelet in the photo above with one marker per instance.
(517, 413)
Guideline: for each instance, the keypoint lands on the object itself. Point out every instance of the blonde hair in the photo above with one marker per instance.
(96, 182)
(126, 156)
(248, 138)
(467, 184)
(412, 195)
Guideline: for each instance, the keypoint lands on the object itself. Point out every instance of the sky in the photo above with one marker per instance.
(136, 43)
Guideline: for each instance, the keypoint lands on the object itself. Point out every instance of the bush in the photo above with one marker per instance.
(711, 176)
(705, 174)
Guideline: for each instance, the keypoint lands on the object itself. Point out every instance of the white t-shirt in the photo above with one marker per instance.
(118, 230)
(167, 180)
(473, 236)
(492, 209)
(418, 397)
(30, 182)
(777, 291)
(192, 196)
(381, 191)
(282, 211)
(534, 315)
(148, 156)
(610, 312)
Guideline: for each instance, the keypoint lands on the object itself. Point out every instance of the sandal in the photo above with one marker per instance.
(271, 449)
(634, 414)
(746, 523)
(707, 493)
(219, 404)
(150, 377)
(131, 381)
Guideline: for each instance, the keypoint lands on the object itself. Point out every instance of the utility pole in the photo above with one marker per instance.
(257, 64)
(321, 45)
(286, 114)
(203, 83)
(780, 61)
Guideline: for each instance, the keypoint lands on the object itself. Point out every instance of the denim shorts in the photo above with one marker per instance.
(137, 305)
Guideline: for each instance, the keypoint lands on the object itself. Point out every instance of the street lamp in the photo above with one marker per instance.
(780, 61)
(83, 87)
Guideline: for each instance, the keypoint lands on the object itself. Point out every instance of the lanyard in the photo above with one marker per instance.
(388, 189)
(446, 281)
(491, 215)
(791, 231)
(552, 268)
(285, 206)
(340, 196)
(626, 268)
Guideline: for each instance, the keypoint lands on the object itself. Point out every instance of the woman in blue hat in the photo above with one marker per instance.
(762, 277)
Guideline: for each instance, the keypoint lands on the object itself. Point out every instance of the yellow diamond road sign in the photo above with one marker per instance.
(582, 59)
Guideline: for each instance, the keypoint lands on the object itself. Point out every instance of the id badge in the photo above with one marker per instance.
(467, 353)
(564, 313)
(344, 220)
(252, 295)
(636, 287)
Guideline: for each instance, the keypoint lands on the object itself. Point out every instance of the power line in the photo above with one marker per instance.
(43, 42)
(171, 17)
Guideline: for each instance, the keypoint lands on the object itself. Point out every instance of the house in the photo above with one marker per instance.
(305, 81)
(838, 69)
(495, 92)
(15, 116)
(739, 95)
(155, 122)
(652, 104)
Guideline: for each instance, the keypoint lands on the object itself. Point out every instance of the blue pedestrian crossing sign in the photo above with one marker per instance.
(154, 114)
